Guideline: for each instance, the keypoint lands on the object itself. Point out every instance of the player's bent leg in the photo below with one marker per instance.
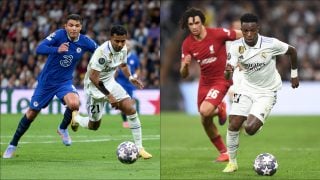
(94, 125)
(252, 125)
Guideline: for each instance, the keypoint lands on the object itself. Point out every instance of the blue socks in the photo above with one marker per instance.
(66, 119)
(21, 129)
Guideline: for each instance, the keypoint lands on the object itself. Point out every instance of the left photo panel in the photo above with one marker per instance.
(80, 89)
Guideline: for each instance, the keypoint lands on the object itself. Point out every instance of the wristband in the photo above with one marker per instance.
(131, 77)
(294, 73)
(135, 75)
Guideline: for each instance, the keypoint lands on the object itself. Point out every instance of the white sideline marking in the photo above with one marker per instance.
(77, 140)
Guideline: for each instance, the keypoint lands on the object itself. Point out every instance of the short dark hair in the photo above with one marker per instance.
(249, 17)
(192, 12)
(118, 30)
(75, 17)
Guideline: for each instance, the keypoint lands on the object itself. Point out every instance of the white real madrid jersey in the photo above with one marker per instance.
(258, 63)
(106, 60)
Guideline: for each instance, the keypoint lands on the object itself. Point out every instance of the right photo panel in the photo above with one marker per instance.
(239, 89)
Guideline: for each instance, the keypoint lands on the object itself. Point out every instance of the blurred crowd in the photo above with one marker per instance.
(25, 23)
(296, 22)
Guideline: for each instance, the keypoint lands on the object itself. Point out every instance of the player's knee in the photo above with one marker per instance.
(205, 112)
(31, 114)
(251, 129)
(73, 106)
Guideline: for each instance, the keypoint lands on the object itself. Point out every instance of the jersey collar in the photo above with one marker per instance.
(111, 48)
(256, 46)
(76, 40)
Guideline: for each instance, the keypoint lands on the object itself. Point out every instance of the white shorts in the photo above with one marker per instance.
(96, 106)
(258, 105)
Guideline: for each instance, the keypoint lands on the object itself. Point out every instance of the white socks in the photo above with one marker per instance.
(232, 145)
(135, 127)
(82, 120)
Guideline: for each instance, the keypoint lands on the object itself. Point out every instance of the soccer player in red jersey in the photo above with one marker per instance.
(207, 47)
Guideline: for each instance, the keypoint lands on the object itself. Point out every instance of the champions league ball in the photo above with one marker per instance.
(127, 152)
(265, 164)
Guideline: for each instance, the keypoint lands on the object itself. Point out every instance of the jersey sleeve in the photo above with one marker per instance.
(98, 61)
(46, 46)
(279, 47)
(226, 34)
(232, 56)
(185, 50)
(92, 45)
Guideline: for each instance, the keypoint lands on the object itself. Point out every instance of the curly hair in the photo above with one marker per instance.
(191, 12)
(248, 17)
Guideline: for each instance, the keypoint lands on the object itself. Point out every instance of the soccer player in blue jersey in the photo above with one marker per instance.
(64, 48)
(134, 67)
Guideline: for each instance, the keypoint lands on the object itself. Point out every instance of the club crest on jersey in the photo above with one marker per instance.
(264, 55)
(211, 49)
(241, 49)
(79, 50)
(101, 60)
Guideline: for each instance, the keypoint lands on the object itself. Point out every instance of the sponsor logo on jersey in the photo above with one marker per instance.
(207, 60)
(66, 62)
(254, 66)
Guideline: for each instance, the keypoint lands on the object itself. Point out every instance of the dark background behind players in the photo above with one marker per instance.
(25, 23)
(295, 22)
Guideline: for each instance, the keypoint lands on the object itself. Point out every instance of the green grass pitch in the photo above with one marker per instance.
(186, 152)
(41, 154)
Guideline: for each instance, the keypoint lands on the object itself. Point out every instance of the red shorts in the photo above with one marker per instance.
(213, 94)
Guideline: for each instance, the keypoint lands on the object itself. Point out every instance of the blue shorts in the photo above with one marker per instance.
(42, 96)
(129, 89)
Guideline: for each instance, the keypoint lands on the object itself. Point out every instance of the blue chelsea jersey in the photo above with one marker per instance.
(59, 67)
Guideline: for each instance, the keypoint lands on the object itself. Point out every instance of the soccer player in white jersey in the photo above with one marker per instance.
(256, 95)
(100, 87)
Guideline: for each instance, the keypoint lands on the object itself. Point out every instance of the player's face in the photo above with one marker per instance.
(73, 28)
(195, 25)
(118, 42)
(250, 32)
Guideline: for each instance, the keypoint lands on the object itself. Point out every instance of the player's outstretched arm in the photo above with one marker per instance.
(292, 52)
(132, 79)
(184, 70)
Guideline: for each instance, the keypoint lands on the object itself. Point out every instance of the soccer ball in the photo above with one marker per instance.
(127, 152)
(265, 164)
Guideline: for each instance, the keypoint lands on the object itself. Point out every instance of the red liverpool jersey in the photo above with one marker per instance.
(210, 53)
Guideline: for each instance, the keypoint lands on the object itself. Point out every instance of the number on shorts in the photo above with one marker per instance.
(213, 93)
(236, 97)
(95, 109)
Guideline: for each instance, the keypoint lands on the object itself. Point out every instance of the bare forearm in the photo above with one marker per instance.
(184, 71)
(292, 52)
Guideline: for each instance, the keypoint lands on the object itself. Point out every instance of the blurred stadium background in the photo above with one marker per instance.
(295, 22)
